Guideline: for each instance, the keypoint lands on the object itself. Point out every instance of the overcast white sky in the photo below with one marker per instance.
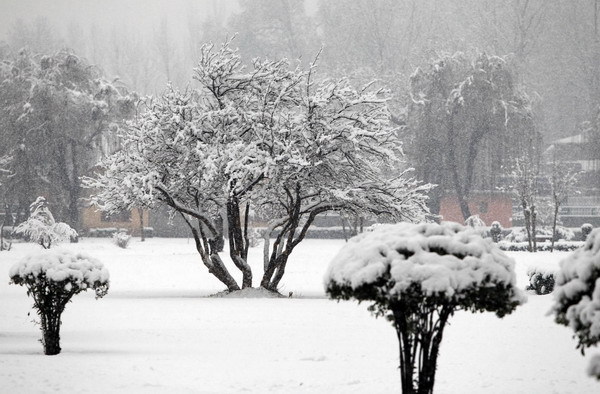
(141, 13)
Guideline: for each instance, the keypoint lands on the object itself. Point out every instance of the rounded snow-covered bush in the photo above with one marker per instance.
(541, 281)
(563, 233)
(517, 234)
(121, 239)
(577, 295)
(586, 229)
(52, 278)
(474, 221)
(418, 275)
(496, 231)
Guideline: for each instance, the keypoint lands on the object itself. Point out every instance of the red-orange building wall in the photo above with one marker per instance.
(490, 207)
(93, 218)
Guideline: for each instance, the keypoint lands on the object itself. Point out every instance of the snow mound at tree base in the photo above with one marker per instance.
(248, 292)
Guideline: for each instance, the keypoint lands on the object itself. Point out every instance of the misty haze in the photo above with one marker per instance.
(208, 176)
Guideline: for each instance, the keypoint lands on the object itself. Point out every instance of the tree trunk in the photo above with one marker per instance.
(274, 285)
(279, 257)
(270, 271)
(74, 189)
(406, 358)
(276, 267)
(464, 205)
(219, 270)
(218, 242)
(554, 220)
(210, 258)
(238, 240)
(344, 229)
(533, 219)
(141, 214)
(2, 237)
(461, 193)
(6, 213)
(51, 333)
(527, 223)
(419, 347)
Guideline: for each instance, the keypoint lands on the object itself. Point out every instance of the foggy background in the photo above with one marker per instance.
(147, 43)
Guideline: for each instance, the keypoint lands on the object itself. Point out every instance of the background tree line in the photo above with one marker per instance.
(550, 49)
(554, 43)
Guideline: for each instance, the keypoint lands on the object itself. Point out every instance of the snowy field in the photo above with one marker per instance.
(158, 331)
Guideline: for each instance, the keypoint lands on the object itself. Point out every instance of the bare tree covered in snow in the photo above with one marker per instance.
(268, 140)
(525, 174)
(562, 184)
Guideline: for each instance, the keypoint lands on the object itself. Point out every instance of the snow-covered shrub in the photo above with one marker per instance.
(148, 232)
(518, 234)
(586, 229)
(107, 232)
(7, 231)
(41, 227)
(561, 246)
(104, 232)
(418, 275)
(5, 237)
(541, 281)
(474, 221)
(121, 239)
(563, 233)
(544, 232)
(5, 241)
(5, 245)
(496, 231)
(52, 278)
(577, 295)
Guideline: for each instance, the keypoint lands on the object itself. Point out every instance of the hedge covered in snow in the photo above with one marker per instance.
(541, 280)
(418, 275)
(561, 246)
(52, 278)
(577, 296)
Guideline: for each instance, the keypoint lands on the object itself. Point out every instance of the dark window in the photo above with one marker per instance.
(123, 216)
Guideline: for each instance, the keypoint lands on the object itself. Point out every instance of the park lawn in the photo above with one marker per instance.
(158, 331)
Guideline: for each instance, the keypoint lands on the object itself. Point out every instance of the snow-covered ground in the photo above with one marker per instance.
(157, 331)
